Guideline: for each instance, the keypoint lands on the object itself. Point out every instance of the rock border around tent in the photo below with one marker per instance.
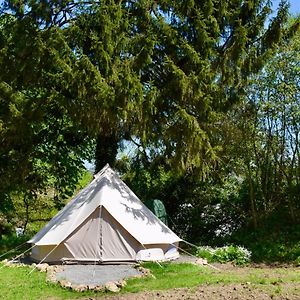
(51, 270)
(111, 286)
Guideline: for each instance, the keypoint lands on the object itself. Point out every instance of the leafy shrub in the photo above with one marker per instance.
(273, 241)
(12, 245)
(236, 254)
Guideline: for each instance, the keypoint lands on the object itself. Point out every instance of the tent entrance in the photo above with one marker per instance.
(101, 238)
(117, 244)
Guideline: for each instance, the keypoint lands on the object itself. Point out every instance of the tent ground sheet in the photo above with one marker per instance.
(95, 274)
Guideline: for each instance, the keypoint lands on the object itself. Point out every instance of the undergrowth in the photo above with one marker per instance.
(236, 254)
(11, 245)
(271, 244)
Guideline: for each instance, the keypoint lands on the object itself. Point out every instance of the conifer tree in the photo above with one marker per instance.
(203, 54)
(155, 72)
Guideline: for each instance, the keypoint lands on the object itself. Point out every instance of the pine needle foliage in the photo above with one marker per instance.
(157, 72)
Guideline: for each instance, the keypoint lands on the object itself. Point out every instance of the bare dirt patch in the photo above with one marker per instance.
(273, 284)
(218, 292)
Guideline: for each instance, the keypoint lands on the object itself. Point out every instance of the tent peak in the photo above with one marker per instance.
(105, 169)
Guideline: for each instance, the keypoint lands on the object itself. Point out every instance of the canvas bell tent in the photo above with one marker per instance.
(105, 222)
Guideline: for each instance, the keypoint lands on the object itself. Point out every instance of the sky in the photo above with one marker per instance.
(294, 6)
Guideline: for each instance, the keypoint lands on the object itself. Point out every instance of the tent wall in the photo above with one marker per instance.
(169, 251)
(39, 253)
(117, 243)
(84, 242)
(101, 238)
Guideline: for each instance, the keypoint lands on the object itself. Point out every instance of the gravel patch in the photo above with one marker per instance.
(95, 274)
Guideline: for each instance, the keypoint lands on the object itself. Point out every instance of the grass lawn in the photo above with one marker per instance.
(16, 283)
(188, 275)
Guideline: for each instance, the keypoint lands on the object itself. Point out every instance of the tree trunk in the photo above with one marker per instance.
(26, 204)
(106, 151)
(252, 198)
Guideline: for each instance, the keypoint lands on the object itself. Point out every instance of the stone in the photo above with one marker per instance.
(65, 283)
(51, 273)
(50, 269)
(91, 287)
(112, 287)
(99, 288)
(121, 283)
(79, 288)
(201, 261)
(51, 278)
(58, 268)
(8, 263)
(145, 272)
(42, 267)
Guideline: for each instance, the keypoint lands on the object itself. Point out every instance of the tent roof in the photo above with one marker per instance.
(109, 191)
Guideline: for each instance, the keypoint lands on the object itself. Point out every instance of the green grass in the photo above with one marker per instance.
(187, 275)
(16, 283)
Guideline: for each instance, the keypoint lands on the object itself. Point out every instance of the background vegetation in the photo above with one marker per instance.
(196, 104)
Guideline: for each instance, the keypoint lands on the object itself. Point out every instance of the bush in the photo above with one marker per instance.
(12, 245)
(272, 242)
(236, 254)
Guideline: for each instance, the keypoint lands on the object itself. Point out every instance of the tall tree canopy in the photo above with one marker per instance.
(157, 73)
(204, 51)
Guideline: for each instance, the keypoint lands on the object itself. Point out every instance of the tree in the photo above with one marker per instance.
(158, 71)
(41, 148)
(275, 92)
(201, 59)
(157, 74)
(260, 139)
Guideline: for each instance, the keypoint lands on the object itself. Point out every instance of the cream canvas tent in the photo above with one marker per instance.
(105, 222)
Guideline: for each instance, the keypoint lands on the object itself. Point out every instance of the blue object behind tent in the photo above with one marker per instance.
(158, 208)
